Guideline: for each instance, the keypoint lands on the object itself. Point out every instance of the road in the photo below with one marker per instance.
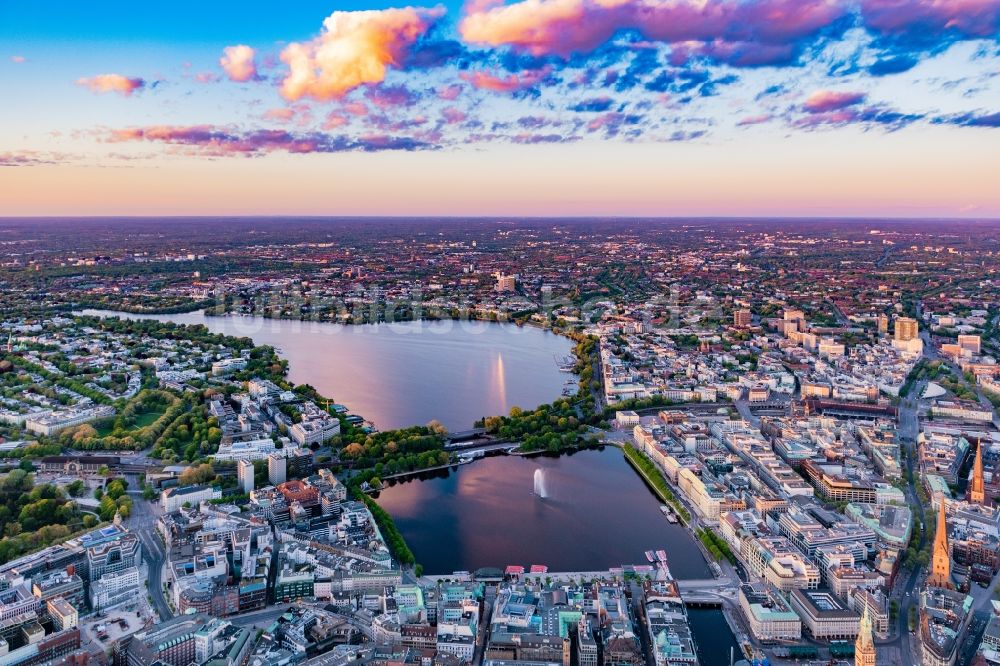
(142, 521)
(266, 616)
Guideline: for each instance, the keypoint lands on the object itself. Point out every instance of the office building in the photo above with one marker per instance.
(906, 329)
(244, 473)
(276, 469)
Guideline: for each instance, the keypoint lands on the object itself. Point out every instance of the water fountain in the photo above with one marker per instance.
(540, 488)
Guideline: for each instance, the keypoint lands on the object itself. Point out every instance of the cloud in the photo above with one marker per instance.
(206, 77)
(871, 116)
(452, 115)
(823, 101)
(970, 120)
(105, 83)
(26, 158)
(355, 109)
(385, 97)
(238, 63)
(612, 123)
(18, 59)
(751, 32)
(510, 83)
(754, 120)
(335, 120)
(281, 114)
(931, 22)
(905, 31)
(354, 48)
(593, 105)
(218, 141)
(527, 138)
(450, 92)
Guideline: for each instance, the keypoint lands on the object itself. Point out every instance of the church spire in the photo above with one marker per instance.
(977, 490)
(864, 646)
(941, 556)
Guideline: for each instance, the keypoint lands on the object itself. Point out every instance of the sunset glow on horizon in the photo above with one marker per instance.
(525, 107)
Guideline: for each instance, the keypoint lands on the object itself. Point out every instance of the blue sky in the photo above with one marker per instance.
(654, 107)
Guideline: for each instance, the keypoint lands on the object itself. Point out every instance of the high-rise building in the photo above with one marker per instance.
(741, 318)
(977, 490)
(883, 324)
(906, 329)
(506, 283)
(941, 555)
(244, 472)
(276, 469)
(971, 343)
(864, 645)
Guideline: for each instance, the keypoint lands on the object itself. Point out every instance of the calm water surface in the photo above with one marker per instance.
(596, 513)
(712, 637)
(408, 373)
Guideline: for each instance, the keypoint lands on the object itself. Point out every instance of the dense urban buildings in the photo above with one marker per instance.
(811, 405)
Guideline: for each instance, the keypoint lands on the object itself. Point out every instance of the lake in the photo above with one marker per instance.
(596, 513)
(407, 373)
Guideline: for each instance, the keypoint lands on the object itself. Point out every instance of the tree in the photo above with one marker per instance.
(437, 428)
(116, 489)
(197, 474)
(76, 488)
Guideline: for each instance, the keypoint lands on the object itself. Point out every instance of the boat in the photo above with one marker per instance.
(649, 555)
(566, 364)
(671, 518)
(664, 509)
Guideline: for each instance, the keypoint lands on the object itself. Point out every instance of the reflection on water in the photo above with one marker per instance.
(500, 380)
(597, 513)
(408, 373)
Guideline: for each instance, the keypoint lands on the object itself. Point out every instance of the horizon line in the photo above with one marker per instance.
(503, 217)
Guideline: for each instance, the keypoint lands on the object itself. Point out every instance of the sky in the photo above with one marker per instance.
(492, 107)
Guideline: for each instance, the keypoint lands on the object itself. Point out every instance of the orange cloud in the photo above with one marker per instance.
(539, 26)
(105, 83)
(354, 48)
(280, 115)
(509, 83)
(237, 62)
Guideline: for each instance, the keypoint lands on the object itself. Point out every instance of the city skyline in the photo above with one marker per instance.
(539, 107)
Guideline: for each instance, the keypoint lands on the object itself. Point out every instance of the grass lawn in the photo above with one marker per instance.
(147, 418)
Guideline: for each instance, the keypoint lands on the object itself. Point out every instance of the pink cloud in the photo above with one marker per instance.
(451, 92)
(18, 59)
(385, 97)
(968, 18)
(206, 77)
(116, 83)
(354, 48)
(218, 141)
(453, 116)
(355, 108)
(754, 120)
(282, 115)
(238, 63)
(736, 30)
(823, 101)
(510, 83)
(335, 120)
